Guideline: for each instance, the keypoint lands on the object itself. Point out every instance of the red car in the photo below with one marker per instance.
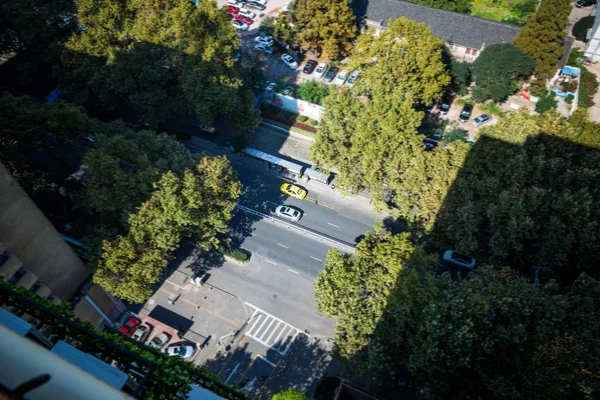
(232, 9)
(130, 326)
(246, 20)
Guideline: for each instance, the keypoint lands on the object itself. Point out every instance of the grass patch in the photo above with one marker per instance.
(462, 102)
(492, 108)
(587, 88)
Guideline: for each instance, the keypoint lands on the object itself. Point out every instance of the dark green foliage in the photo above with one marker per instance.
(497, 70)
(313, 122)
(302, 118)
(239, 142)
(569, 99)
(581, 27)
(463, 6)
(325, 389)
(313, 92)
(587, 88)
(460, 73)
(237, 254)
(454, 134)
(267, 26)
(542, 38)
(546, 103)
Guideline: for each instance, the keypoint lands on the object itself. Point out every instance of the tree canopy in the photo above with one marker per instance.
(290, 394)
(493, 336)
(542, 38)
(497, 70)
(199, 203)
(369, 131)
(159, 59)
(325, 26)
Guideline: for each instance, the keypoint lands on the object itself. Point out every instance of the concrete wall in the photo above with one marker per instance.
(592, 47)
(28, 234)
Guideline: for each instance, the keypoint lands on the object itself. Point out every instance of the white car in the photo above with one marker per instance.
(239, 25)
(288, 213)
(183, 350)
(320, 70)
(264, 40)
(263, 2)
(341, 78)
(353, 77)
(459, 259)
(234, 3)
(246, 13)
(289, 60)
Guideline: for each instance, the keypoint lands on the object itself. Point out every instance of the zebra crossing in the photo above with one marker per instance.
(271, 331)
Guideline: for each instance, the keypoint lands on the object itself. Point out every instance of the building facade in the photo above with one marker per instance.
(465, 35)
(592, 47)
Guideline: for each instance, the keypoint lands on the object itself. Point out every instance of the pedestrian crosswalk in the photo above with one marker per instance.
(271, 331)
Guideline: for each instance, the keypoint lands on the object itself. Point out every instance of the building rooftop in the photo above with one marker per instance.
(461, 29)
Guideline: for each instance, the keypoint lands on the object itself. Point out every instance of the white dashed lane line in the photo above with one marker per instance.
(329, 223)
(270, 262)
(291, 270)
(285, 247)
(316, 259)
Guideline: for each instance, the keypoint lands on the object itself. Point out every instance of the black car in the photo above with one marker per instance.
(465, 114)
(309, 67)
(445, 105)
(585, 3)
(329, 75)
(256, 6)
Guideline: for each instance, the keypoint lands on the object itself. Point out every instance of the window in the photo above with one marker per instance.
(17, 276)
(468, 51)
(474, 52)
(4, 257)
(36, 286)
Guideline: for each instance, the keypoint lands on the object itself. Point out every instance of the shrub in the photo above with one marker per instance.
(454, 135)
(312, 122)
(581, 27)
(569, 99)
(587, 88)
(267, 26)
(460, 73)
(546, 103)
(313, 91)
(302, 118)
(237, 255)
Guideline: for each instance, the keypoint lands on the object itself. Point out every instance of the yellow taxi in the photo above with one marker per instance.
(293, 190)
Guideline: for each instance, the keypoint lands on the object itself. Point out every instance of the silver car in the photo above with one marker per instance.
(141, 332)
(159, 340)
(288, 213)
(482, 119)
(353, 77)
(289, 61)
(459, 259)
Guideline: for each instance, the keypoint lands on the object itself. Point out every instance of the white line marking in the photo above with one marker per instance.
(290, 344)
(285, 247)
(267, 329)
(173, 283)
(261, 325)
(291, 270)
(270, 262)
(273, 332)
(269, 362)
(232, 372)
(316, 259)
(329, 223)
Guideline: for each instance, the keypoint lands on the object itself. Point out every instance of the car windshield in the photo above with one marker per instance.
(295, 213)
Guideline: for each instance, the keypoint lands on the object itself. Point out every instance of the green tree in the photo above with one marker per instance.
(200, 204)
(290, 394)
(463, 6)
(121, 171)
(371, 139)
(581, 27)
(542, 37)
(460, 73)
(497, 70)
(283, 31)
(313, 91)
(546, 103)
(326, 26)
(27, 125)
(161, 59)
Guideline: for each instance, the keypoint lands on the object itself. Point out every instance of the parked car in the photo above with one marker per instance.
(130, 325)
(329, 75)
(289, 60)
(183, 350)
(445, 105)
(320, 71)
(288, 213)
(465, 114)
(288, 91)
(261, 2)
(585, 3)
(293, 190)
(255, 5)
(271, 87)
(141, 332)
(246, 13)
(353, 77)
(239, 25)
(232, 9)
(482, 119)
(459, 259)
(264, 40)
(233, 3)
(262, 47)
(341, 78)
(242, 18)
(309, 67)
(159, 340)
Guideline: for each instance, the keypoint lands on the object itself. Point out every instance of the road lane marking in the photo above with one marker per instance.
(267, 361)
(232, 372)
(291, 270)
(232, 354)
(319, 203)
(316, 259)
(285, 247)
(270, 262)
(329, 223)
(268, 377)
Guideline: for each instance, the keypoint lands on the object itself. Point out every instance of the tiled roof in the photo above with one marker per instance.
(457, 28)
